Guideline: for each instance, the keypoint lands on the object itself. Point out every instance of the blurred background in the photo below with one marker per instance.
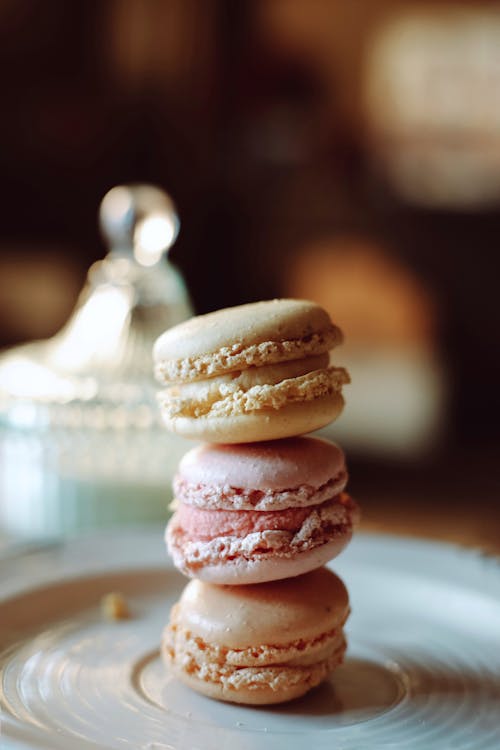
(344, 152)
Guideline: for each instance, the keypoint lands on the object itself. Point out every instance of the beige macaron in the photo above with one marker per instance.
(259, 371)
(259, 644)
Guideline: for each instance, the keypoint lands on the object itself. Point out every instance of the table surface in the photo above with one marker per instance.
(455, 498)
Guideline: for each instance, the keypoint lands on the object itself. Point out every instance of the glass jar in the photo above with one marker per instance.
(81, 440)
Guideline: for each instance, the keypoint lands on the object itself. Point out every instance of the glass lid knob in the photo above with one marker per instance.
(139, 220)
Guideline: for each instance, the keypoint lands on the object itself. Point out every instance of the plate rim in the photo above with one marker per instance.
(475, 560)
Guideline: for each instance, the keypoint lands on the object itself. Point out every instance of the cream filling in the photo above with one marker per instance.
(226, 497)
(317, 528)
(237, 356)
(226, 396)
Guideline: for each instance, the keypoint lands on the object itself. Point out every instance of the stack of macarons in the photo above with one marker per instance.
(259, 508)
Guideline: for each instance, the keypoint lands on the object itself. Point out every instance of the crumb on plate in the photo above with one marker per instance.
(114, 606)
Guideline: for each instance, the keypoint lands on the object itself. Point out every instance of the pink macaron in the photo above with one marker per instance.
(255, 512)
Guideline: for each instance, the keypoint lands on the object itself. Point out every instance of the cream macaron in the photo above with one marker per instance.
(259, 644)
(259, 371)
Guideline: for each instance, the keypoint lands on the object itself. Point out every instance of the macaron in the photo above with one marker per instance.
(260, 644)
(255, 512)
(259, 371)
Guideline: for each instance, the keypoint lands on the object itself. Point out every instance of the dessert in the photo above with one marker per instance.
(255, 372)
(259, 508)
(259, 644)
(257, 512)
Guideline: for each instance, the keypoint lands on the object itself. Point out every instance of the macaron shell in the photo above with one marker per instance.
(275, 465)
(227, 497)
(244, 572)
(232, 338)
(275, 613)
(262, 697)
(267, 686)
(296, 418)
(274, 685)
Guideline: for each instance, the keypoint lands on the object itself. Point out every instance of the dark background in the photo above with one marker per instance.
(250, 114)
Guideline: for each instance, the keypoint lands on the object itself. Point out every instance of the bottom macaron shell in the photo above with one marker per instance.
(268, 424)
(288, 683)
(246, 571)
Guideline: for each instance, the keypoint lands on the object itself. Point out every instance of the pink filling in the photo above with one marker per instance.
(201, 525)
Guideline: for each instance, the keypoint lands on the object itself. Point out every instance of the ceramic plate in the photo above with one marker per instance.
(422, 670)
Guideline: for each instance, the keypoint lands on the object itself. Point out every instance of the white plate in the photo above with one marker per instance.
(422, 670)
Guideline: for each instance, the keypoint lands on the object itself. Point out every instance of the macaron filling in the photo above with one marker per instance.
(209, 524)
(236, 356)
(257, 534)
(234, 395)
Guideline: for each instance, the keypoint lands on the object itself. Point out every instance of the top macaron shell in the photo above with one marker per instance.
(274, 613)
(250, 373)
(272, 475)
(239, 337)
